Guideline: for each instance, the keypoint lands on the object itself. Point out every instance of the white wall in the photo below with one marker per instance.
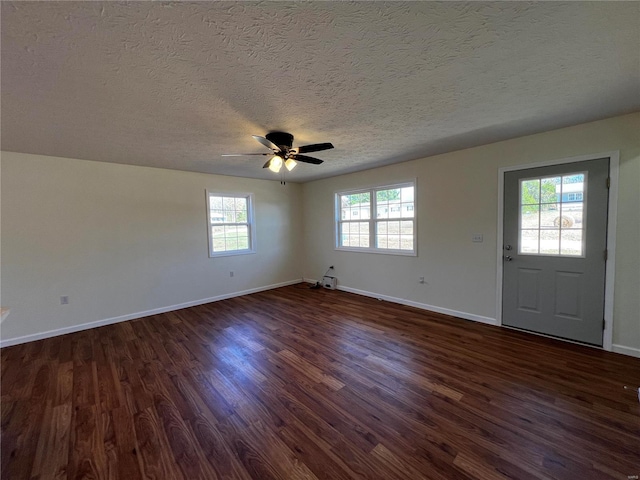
(457, 196)
(122, 240)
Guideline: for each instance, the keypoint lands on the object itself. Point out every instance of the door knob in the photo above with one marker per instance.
(507, 247)
(508, 258)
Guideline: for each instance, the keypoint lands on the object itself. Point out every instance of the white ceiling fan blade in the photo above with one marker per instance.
(267, 143)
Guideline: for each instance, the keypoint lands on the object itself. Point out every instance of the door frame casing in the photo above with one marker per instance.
(610, 264)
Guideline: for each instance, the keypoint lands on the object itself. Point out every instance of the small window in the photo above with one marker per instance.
(574, 197)
(231, 224)
(380, 220)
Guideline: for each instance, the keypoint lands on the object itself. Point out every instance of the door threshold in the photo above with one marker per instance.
(562, 339)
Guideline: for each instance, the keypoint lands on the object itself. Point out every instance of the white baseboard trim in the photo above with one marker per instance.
(423, 306)
(132, 316)
(633, 352)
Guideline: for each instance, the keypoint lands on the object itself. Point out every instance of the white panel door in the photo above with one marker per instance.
(555, 231)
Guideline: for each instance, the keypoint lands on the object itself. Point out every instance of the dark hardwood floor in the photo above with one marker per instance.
(296, 383)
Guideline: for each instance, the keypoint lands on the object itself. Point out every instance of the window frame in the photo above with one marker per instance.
(559, 201)
(373, 220)
(250, 223)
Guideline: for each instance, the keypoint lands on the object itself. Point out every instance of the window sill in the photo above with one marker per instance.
(380, 251)
(231, 253)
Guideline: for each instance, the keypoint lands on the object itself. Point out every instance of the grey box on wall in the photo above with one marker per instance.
(329, 282)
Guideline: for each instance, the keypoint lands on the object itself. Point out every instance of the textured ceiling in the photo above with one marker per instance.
(175, 85)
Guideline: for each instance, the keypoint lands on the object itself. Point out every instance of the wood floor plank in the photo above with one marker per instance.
(294, 383)
(320, 459)
(272, 447)
(400, 467)
(64, 384)
(129, 463)
(87, 458)
(53, 446)
(109, 445)
(155, 451)
(310, 370)
(183, 446)
(248, 451)
(218, 453)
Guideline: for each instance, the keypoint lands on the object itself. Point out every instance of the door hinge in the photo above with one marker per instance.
(608, 182)
(606, 255)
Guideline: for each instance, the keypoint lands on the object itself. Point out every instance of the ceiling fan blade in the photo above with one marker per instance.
(306, 159)
(242, 154)
(267, 143)
(316, 147)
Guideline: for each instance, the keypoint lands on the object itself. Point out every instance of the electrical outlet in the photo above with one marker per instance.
(64, 300)
(421, 279)
(231, 274)
(477, 238)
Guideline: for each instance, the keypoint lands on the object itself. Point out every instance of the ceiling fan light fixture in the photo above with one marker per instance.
(290, 164)
(283, 152)
(275, 164)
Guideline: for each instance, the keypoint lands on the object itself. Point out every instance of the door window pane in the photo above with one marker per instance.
(552, 210)
(571, 214)
(550, 242)
(571, 242)
(548, 214)
(530, 216)
(530, 192)
(529, 241)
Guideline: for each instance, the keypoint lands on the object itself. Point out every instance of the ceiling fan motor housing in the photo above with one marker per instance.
(282, 139)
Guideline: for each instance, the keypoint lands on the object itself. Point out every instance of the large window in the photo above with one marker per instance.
(231, 225)
(380, 219)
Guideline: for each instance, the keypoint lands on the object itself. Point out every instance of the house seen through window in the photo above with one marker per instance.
(380, 219)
